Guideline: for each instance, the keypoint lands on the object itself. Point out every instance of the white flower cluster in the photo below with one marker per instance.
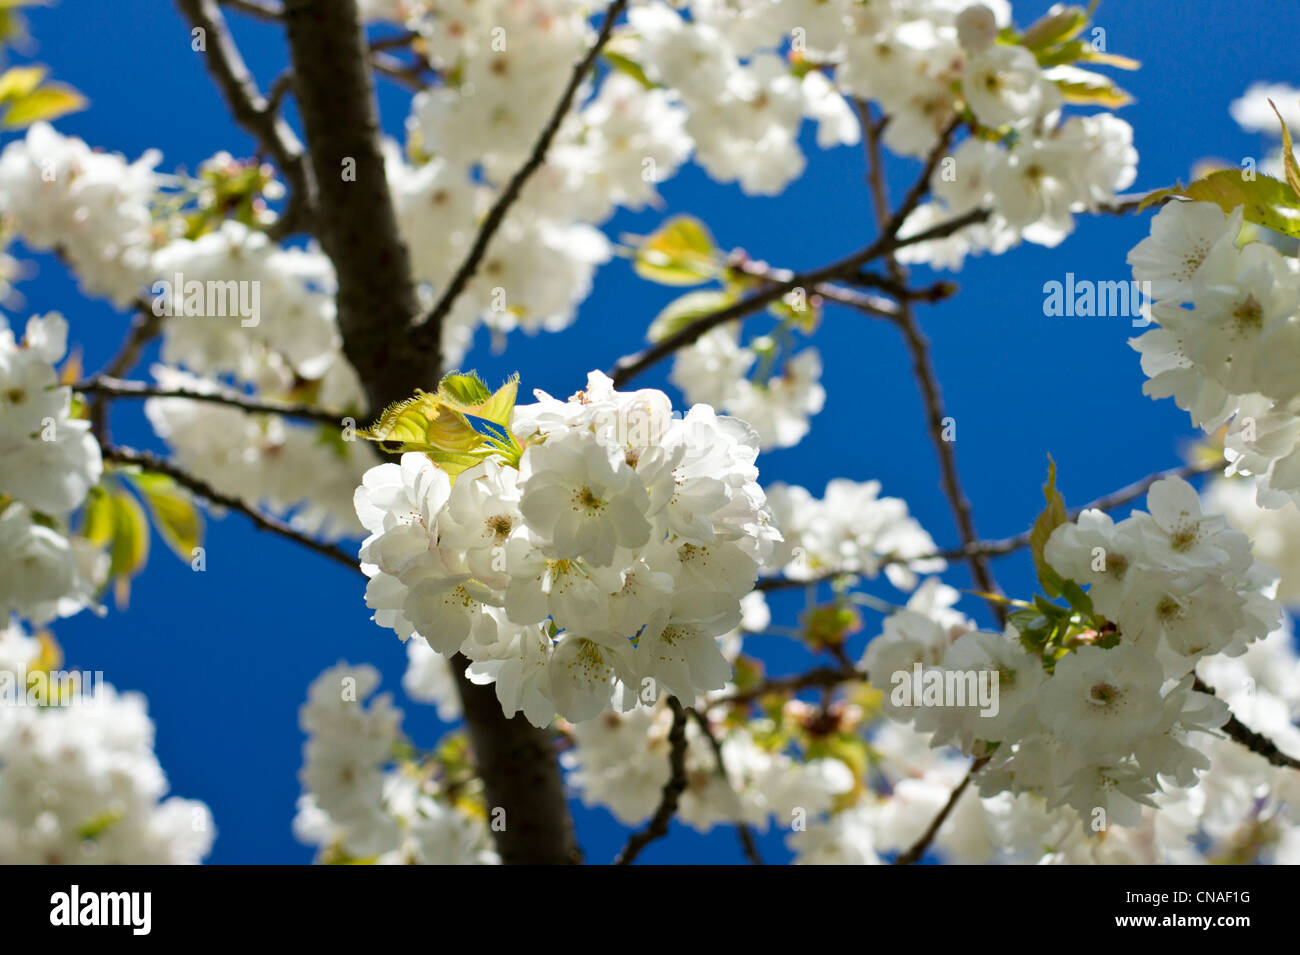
(1240, 808)
(603, 568)
(358, 805)
(620, 762)
(265, 460)
(92, 207)
(715, 370)
(1274, 534)
(279, 326)
(510, 62)
(850, 529)
(48, 463)
(274, 327)
(744, 104)
(1042, 167)
(79, 781)
(1229, 338)
(1115, 717)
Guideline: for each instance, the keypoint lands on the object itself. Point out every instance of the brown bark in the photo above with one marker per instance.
(357, 227)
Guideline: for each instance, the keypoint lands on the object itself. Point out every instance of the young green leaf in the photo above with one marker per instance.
(683, 311)
(1267, 201)
(1052, 517)
(681, 252)
(177, 517)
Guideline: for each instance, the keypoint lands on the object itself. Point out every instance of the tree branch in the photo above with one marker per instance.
(1258, 743)
(513, 757)
(1009, 545)
(145, 327)
(252, 111)
(672, 791)
(429, 332)
(919, 847)
(106, 386)
(357, 227)
(261, 9)
(922, 364)
(748, 844)
(816, 678)
(151, 462)
(882, 246)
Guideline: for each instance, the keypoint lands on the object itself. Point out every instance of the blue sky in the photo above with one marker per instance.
(225, 657)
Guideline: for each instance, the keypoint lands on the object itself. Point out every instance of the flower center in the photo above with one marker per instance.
(585, 499)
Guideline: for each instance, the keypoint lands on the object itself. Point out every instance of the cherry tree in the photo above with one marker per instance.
(580, 580)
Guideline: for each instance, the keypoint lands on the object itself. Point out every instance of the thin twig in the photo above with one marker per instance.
(429, 332)
(151, 462)
(109, 387)
(873, 305)
(145, 327)
(748, 844)
(919, 847)
(408, 74)
(885, 243)
(816, 678)
(657, 828)
(1257, 743)
(922, 363)
(1008, 545)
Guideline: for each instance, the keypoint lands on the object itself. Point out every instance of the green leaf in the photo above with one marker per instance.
(630, 67)
(463, 390)
(177, 517)
(129, 549)
(681, 252)
(406, 420)
(468, 394)
(19, 81)
(98, 517)
(1288, 157)
(1085, 88)
(1075, 596)
(1059, 25)
(1052, 517)
(100, 823)
(1266, 201)
(687, 309)
(47, 102)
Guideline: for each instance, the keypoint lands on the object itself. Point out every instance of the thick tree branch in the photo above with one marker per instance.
(252, 111)
(264, 521)
(657, 828)
(357, 227)
(260, 9)
(517, 764)
(429, 332)
(355, 221)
